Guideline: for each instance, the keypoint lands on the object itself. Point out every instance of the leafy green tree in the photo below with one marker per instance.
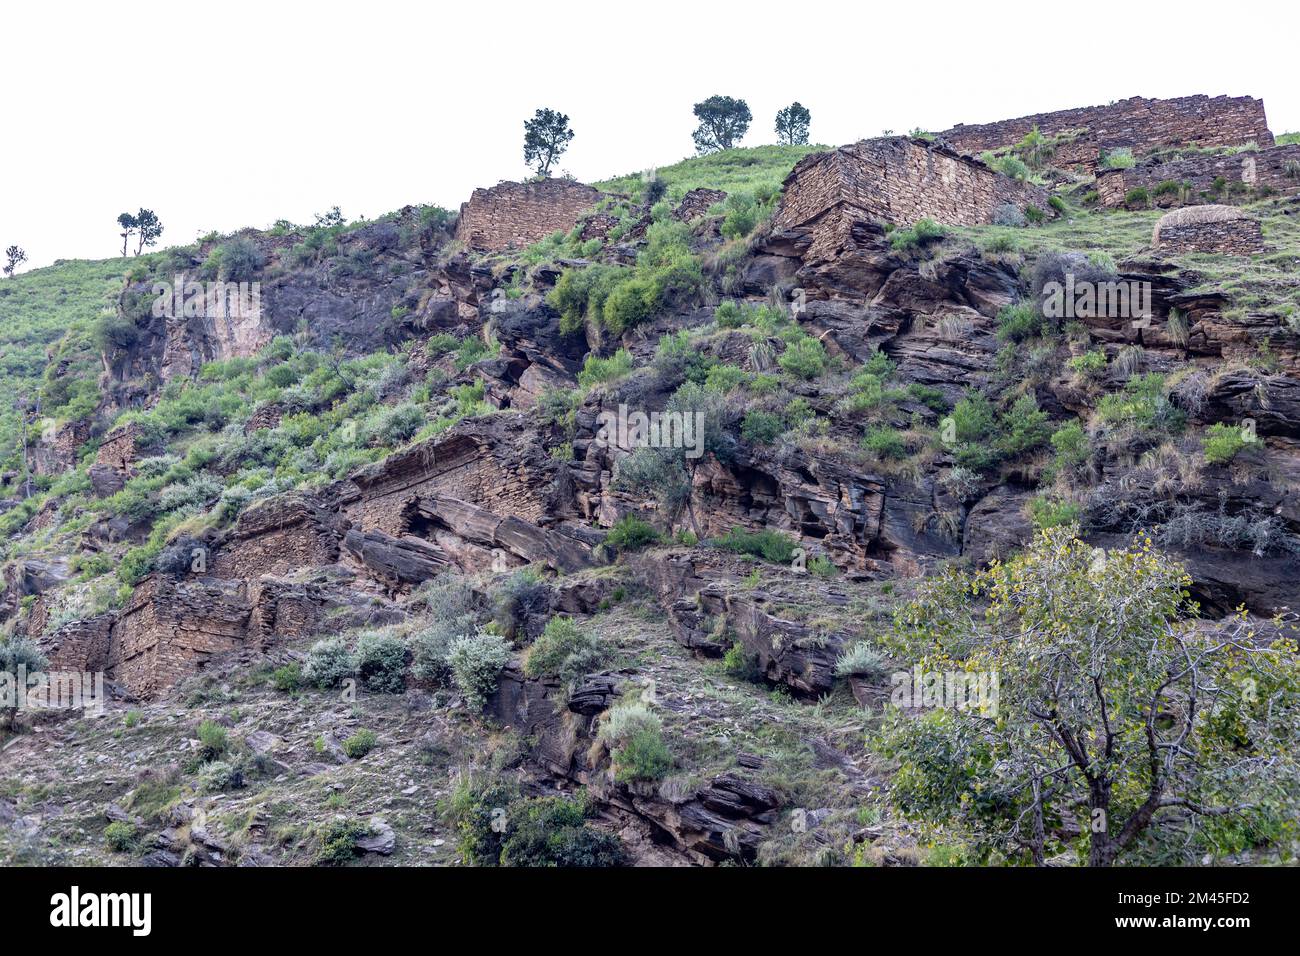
(129, 227)
(148, 227)
(723, 121)
(1120, 721)
(792, 124)
(546, 136)
(14, 257)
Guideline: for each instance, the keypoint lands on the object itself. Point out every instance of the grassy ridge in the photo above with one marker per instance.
(46, 319)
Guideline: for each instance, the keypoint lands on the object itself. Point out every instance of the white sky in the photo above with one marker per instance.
(222, 115)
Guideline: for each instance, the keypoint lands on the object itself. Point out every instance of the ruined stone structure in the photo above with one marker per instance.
(115, 460)
(79, 645)
(475, 464)
(277, 536)
(1199, 179)
(1222, 229)
(118, 450)
(56, 452)
(696, 203)
(899, 180)
(1137, 123)
(170, 628)
(514, 215)
(267, 415)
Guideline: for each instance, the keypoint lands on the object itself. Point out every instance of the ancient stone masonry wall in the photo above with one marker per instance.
(514, 215)
(900, 180)
(118, 450)
(171, 628)
(278, 536)
(1138, 123)
(1277, 168)
(1232, 237)
(696, 203)
(79, 645)
(498, 466)
(264, 416)
(59, 453)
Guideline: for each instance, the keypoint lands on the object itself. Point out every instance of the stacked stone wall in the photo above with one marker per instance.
(515, 215)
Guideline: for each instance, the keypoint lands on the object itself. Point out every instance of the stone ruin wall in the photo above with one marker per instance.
(460, 467)
(1138, 123)
(515, 215)
(118, 450)
(170, 628)
(1231, 237)
(1277, 168)
(276, 537)
(900, 180)
(79, 645)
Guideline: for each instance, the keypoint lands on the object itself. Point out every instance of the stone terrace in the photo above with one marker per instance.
(515, 215)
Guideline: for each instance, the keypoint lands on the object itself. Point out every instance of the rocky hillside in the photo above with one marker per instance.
(383, 562)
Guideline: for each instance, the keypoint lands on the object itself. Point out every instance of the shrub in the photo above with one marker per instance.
(596, 370)
(723, 378)
(329, 663)
(766, 544)
(1141, 405)
(1008, 214)
(1137, 198)
(552, 831)
(740, 663)
(287, 678)
(804, 358)
(740, 215)
(885, 442)
(1019, 321)
(479, 813)
(430, 646)
(1012, 166)
(564, 650)
(921, 234)
(635, 736)
(360, 744)
(221, 775)
(822, 567)
(1058, 204)
(630, 303)
(120, 836)
(338, 842)
(236, 260)
(380, 662)
(476, 663)
(1023, 428)
(1034, 215)
(1089, 364)
(1049, 513)
(1222, 442)
(860, 660)
(630, 533)
(1118, 159)
(524, 595)
(16, 652)
(212, 740)
(1073, 450)
(761, 427)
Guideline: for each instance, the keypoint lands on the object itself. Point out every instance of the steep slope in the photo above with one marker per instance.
(408, 492)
